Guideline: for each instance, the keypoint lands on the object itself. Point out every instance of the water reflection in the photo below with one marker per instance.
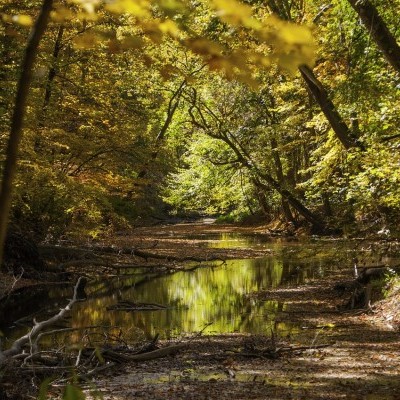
(218, 294)
(215, 294)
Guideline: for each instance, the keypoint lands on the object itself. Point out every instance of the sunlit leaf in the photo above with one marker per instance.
(152, 31)
(86, 40)
(204, 46)
(23, 20)
(232, 11)
(295, 34)
(169, 27)
(61, 14)
(171, 7)
(138, 8)
(89, 6)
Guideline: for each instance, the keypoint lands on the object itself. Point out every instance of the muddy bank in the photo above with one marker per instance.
(358, 358)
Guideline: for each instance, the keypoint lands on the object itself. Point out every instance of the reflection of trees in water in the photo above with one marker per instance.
(198, 297)
(215, 294)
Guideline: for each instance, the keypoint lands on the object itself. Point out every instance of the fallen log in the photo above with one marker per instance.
(151, 355)
(131, 306)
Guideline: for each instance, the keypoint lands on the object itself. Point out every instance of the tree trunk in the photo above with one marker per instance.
(51, 75)
(259, 176)
(14, 140)
(172, 106)
(339, 126)
(321, 96)
(281, 179)
(309, 216)
(379, 31)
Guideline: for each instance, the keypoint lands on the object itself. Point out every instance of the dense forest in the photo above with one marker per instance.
(128, 128)
(140, 110)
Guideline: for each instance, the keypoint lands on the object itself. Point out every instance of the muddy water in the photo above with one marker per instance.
(219, 295)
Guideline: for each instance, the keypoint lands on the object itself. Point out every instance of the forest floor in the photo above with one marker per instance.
(361, 359)
(337, 354)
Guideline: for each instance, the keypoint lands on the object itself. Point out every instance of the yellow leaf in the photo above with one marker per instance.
(171, 6)
(132, 42)
(22, 19)
(138, 8)
(232, 11)
(236, 13)
(204, 47)
(248, 80)
(169, 27)
(86, 40)
(60, 14)
(295, 34)
(88, 5)
(152, 30)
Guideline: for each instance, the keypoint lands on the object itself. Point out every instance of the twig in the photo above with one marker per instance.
(78, 358)
(16, 279)
(54, 331)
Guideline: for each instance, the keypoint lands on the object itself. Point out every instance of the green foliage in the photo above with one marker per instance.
(135, 103)
(73, 392)
(376, 190)
(201, 186)
(44, 388)
(392, 285)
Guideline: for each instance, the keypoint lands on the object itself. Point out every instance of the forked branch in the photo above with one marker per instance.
(17, 346)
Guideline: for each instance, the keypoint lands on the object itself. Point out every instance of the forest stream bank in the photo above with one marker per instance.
(306, 345)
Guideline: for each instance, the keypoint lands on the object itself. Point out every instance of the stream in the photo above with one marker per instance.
(217, 298)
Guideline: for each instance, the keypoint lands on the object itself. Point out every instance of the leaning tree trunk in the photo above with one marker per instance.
(172, 107)
(259, 177)
(379, 31)
(342, 131)
(15, 137)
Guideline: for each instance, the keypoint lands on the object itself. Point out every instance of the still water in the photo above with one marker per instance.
(220, 294)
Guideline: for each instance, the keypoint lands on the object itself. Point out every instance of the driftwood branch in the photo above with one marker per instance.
(39, 326)
(151, 355)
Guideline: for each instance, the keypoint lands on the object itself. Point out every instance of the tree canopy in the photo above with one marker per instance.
(283, 109)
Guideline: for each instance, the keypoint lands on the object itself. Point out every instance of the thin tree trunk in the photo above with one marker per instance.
(342, 131)
(376, 26)
(260, 176)
(52, 74)
(281, 179)
(14, 140)
(172, 107)
(262, 199)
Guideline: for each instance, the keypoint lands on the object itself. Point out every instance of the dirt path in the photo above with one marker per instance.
(361, 360)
